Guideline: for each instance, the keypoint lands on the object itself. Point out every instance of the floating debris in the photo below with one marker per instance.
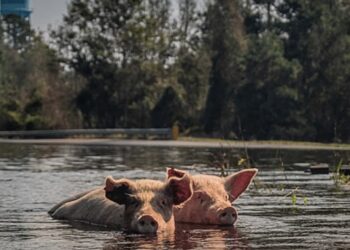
(322, 168)
(345, 170)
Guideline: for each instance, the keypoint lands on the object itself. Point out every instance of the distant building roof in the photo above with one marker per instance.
(15, 7)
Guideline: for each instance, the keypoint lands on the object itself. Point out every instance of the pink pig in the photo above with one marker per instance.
(211, 202)
(142, 206)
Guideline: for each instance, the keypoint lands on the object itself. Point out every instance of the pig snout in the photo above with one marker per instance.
(227, 216)
(147, 224)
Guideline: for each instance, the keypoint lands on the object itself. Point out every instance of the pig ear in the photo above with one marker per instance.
(237, 183)
(118, 190)
(180, 189)
(173, 172)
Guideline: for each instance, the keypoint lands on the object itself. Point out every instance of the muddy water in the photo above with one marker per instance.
(35, 177)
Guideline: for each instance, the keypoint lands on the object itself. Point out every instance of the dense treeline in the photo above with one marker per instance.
(34, 91)
(247, 69)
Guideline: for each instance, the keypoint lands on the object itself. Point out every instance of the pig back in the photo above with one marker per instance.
(90, 207)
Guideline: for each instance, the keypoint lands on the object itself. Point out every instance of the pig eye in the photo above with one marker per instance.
(133, 202)
(227, 197)
(163, 203)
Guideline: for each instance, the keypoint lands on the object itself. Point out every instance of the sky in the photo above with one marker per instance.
(47, 13)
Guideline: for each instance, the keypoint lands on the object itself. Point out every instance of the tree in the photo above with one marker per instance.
(30, 81)
(270, 96)
(190, 71)
(318, 37)
(168, 110)
(16, 31)
(121, 49)
(259, 15)
(225, 38)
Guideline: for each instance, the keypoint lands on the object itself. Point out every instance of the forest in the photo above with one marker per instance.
(243, 69)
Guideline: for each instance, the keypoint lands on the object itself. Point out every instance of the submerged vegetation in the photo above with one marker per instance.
(231, 69)
(338, 177)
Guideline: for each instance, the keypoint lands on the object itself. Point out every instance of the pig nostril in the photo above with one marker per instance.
(153, 224)
(223, 214)
(142, 222)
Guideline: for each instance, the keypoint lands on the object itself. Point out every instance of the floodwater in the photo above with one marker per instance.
(35, 177)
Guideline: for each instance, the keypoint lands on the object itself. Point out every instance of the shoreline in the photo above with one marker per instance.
(183, 142)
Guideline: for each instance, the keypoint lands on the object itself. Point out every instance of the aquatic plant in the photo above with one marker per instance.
(294, 194)
(338, 177)
(226, 159)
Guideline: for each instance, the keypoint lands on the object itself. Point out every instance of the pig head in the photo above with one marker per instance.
(211, 202)
(149, 204)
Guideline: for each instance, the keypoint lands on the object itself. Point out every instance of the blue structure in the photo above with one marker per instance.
(15, 7)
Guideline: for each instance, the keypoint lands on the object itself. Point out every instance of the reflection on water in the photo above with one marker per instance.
(186, 236)
(35, 177)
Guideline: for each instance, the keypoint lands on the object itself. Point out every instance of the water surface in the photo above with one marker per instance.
(35, 177)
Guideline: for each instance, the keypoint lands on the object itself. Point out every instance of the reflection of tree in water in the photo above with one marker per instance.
(186, 236)
(115, 158)
(20, 151)
(25, 156)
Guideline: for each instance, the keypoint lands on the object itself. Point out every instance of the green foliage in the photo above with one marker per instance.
(339, 178)
(269, 96)
(294, 199)
(10, 120)
(121, 49)
(168, 109)
(315, 37)
(35, 122)
(224, 36)
(29, 79)
(294, 194)
(192, 65)
(263, 69)
(318, 37)
(192, 78)
(16, 32)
